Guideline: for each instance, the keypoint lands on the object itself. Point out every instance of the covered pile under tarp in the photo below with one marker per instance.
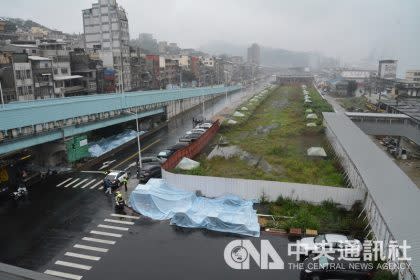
(228, 213)
(316, 152)
(187, 164)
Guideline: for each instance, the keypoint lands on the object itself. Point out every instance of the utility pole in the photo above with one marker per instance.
(1, 94)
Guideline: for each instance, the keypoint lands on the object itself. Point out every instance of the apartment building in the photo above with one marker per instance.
(106, 31)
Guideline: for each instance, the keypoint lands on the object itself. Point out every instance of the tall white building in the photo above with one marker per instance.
(106, 32)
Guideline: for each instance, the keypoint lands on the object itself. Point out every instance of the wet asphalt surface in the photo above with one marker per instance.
(62, 210)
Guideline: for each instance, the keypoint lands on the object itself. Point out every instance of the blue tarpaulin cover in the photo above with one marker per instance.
(228, 213)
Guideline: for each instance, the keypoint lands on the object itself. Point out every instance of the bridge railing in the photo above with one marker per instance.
(21, 119)
(22, 114)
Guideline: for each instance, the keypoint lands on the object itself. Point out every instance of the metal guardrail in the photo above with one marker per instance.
(192, 149)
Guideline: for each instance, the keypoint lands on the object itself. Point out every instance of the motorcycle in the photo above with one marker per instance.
(21, 193)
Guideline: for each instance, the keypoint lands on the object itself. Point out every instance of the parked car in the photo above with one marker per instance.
(150, 159)
(189, 137)
(339, 242)
(336, 268)
(196, 130)
(114, 179)
(205, 125)
(165, 154)
(150, 171)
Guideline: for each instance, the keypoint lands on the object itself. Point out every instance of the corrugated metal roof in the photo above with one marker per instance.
(377, 115)
(394, 193)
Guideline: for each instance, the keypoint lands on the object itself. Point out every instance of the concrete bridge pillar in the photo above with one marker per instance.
(51, 154)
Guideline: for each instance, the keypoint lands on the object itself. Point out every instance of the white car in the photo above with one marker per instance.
(115, 178)
(196, 130)
(331, 242)
(204, 125)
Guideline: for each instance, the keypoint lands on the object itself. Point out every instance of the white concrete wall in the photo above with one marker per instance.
(253, 189)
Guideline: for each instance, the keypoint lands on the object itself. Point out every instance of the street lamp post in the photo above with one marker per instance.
(138, 136)
(1, 94)
(138, 139)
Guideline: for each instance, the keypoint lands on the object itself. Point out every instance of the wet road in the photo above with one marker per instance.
(63, 210)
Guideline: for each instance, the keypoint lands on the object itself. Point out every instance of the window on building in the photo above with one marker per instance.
(18, 76)
(28, 74)
(29, 89)
(33, 51)
(64, 70)
(55, 71)
(46, 65)
(20, 90)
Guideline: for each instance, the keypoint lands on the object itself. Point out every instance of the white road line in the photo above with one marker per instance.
(106, 164)
(74, 265)
(104, 233)
(78, 184)
(88, 183)
(104, 241)
(65, 181)
(113, 227)
(62, 274)
(97, 249)
(72, 182)
(125, 216)
(81, 256)
(119, 222)
(97, 184)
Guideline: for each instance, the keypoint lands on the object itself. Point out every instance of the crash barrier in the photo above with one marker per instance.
(193, 148)
(270, 190)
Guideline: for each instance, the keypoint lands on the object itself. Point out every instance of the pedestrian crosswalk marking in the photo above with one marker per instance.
(113, 227)
(78, 184)
(106, 233)
(65, 181)
(91, 248)
(119, 222)
(97, 184)
(62, 274)
(82, 256)
(125, 216)
(74, 265)
(104, 241)
(72, 182)
(88, 183)
(101, 187)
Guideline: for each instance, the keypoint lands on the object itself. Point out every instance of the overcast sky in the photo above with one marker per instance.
(351, 30)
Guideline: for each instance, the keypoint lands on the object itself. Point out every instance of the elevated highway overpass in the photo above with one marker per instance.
(26, 124)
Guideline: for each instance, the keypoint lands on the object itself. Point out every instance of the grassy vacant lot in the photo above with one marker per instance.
(327, 217)
(352, 104)
(283, 148)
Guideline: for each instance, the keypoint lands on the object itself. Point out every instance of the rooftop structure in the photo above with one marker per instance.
(384, 183)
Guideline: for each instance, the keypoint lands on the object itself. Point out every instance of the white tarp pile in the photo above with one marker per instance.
(316, 152)
(308, 111)
(232, 122)
(228, 213)
(238, 114)
(187, 164)
(244, 109)
(311, 116)
(311, 124)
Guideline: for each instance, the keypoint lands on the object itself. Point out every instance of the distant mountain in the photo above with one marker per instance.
(220, 47)
(269, 56)
(26, 24)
